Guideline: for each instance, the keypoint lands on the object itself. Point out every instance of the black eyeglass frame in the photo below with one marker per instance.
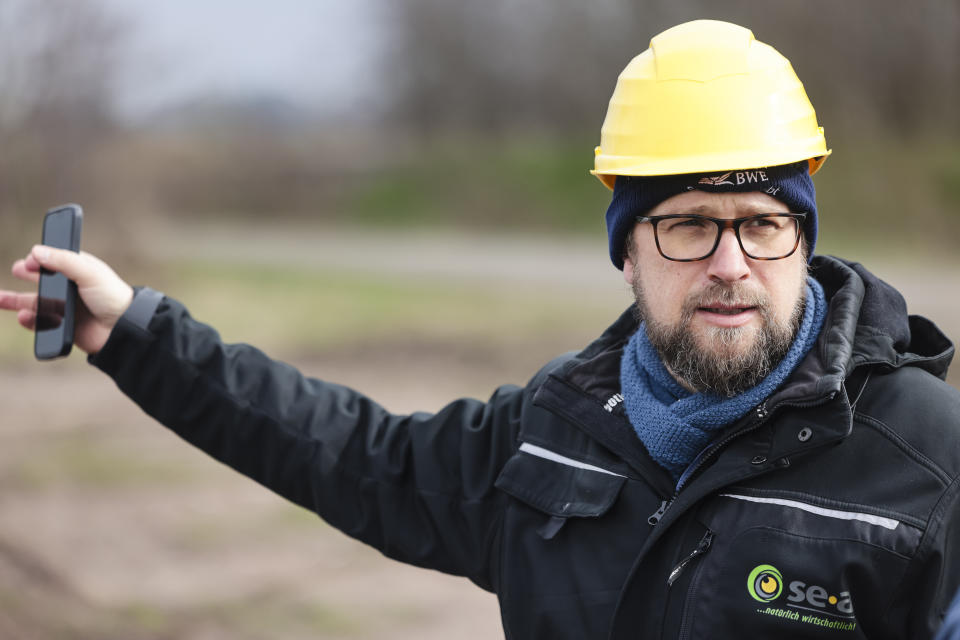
(722, 225)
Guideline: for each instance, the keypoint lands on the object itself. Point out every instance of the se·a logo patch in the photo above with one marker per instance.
(809, 604)
(765, 583)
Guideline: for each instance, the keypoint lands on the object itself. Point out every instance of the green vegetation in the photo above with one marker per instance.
(287, 310)
(264, 615)
(947, 176)
(82, 458)
(892, 198)
(540, 183)
(206, 533)
(873, 190)
(146, 617)
(260, 615)
(900, 197)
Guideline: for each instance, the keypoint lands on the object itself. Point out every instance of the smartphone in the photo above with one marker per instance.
(57, 299)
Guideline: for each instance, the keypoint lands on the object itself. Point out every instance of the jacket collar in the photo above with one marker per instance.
(866, 324)
(884, 332)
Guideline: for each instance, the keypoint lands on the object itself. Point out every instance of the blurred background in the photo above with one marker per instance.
(392, 194)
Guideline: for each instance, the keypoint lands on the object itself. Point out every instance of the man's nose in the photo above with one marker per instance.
(728, 263)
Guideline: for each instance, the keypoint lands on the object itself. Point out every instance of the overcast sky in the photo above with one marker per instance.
(317, 52)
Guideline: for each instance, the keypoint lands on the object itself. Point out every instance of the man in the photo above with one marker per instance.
(750, 452)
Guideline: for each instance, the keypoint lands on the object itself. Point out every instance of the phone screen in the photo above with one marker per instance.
(56, 300)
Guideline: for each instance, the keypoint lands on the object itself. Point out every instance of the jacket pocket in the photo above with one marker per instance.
(559, 486)
(566, 547)
(788, 567)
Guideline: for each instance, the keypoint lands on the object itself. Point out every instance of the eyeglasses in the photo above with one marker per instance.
(691, 237)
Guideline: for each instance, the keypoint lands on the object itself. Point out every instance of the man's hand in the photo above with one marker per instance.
(103, 295)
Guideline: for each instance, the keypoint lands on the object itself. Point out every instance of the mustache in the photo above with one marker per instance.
(732, 294)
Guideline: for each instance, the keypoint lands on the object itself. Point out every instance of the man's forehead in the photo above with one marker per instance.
(733, 203)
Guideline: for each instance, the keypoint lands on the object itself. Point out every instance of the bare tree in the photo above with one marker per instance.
(552, 63)
(59, 61)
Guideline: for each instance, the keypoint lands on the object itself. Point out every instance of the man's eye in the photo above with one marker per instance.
(685, 224)
(764, 223)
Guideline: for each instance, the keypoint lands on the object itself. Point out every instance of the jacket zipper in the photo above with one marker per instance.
(686, 620)
(701, 549)
(655, 516)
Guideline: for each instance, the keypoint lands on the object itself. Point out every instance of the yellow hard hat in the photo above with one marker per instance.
(707, 96)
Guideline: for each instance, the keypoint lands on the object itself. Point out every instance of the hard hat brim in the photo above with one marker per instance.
(608, 174)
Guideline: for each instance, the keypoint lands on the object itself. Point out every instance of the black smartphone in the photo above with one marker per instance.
(57, 299)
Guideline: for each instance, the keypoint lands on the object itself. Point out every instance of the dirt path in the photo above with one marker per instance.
(122, 531)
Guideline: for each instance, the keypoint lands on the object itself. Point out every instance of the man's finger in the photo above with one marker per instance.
(27, 319)
(31, 263)
(75, 266)
(27, 269)
(14, 301)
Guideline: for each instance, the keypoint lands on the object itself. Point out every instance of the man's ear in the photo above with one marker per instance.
(629, 251)
(628, 270)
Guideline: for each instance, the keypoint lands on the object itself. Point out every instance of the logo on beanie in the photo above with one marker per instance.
(716, 180)
(739, 177)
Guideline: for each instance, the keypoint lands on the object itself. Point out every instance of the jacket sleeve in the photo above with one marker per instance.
(940, 568)
(417, 487)
(951, 624)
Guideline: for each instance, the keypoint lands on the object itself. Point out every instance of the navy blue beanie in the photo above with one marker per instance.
(635, 195)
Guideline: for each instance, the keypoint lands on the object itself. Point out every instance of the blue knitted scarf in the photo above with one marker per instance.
(674, 424)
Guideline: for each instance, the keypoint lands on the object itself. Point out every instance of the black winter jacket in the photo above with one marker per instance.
(831, 511)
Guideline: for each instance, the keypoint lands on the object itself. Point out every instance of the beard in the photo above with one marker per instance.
(721, 360)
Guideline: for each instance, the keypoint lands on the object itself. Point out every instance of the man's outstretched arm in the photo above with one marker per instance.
(417, 487)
